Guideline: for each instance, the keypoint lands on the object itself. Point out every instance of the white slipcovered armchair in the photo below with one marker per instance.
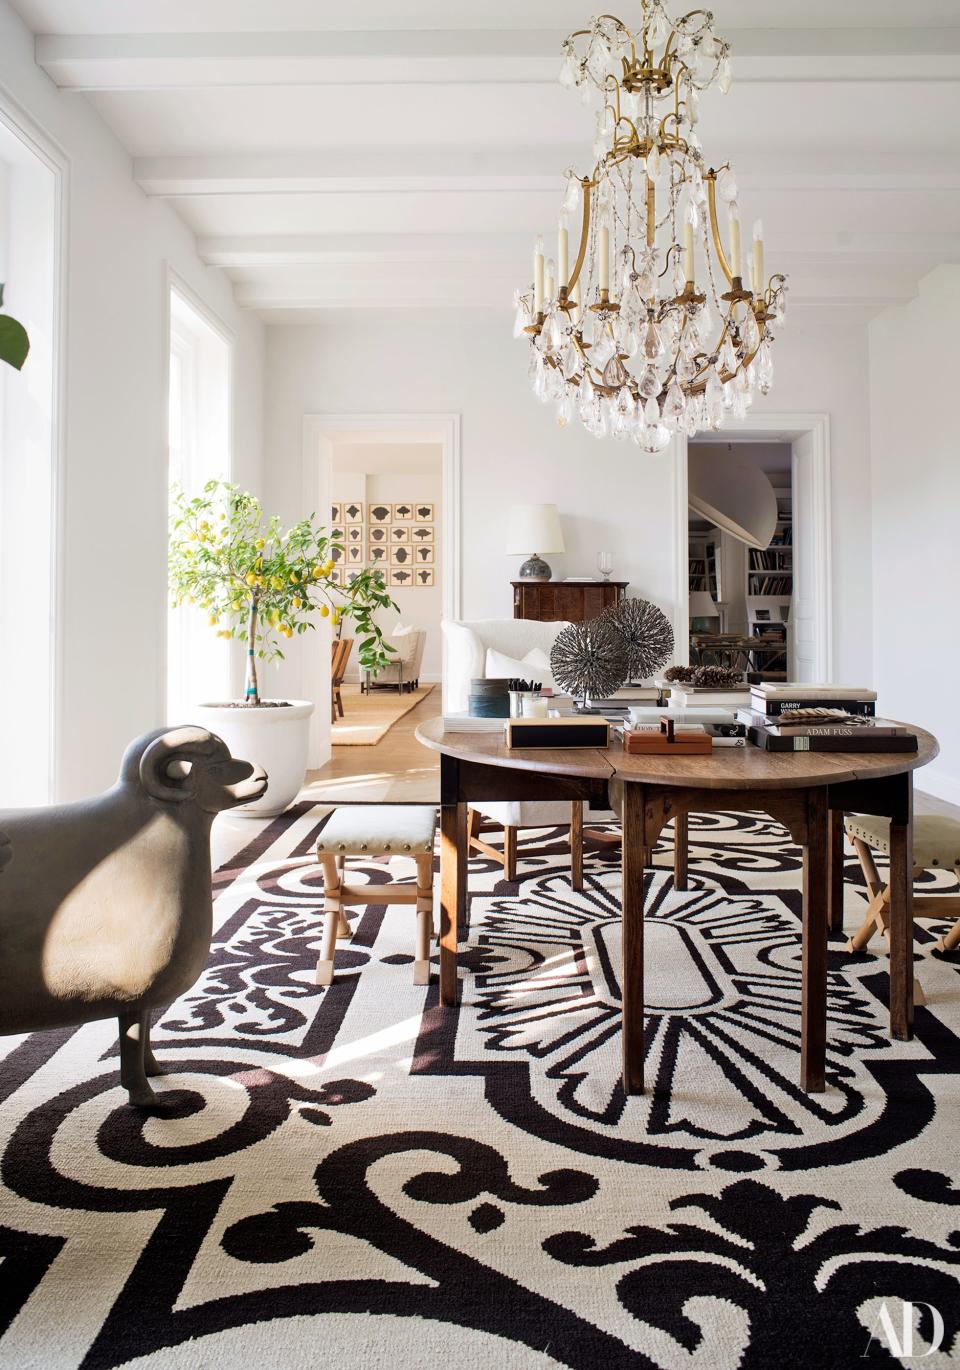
(403, 672)
(467, 656)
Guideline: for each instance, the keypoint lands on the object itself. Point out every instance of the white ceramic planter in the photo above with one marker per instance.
(276, 739)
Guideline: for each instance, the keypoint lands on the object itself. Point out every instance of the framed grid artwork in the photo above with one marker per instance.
(423, 575)
(422, 533)
(380, 513)
(354, 532)
(380, 535)
(336, 576)
(401, 556)
(400, 532)
(355, 555)
(336, 513)
(338, 531)
(402, 513)
(423, 555)
(423, 512)
(378, 554)
(400, 576)
(352, 511)
(337, 551)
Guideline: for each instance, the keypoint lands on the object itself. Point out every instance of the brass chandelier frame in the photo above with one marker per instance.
(646, 77)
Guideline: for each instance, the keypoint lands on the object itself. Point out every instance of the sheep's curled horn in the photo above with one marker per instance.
(180, 744)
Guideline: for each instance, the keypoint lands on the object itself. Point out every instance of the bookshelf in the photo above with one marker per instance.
(703, 562)
(770, 589)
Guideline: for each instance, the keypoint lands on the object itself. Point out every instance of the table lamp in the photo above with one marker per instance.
(534, 526)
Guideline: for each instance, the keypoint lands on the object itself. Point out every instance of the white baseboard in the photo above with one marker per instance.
(939, 783)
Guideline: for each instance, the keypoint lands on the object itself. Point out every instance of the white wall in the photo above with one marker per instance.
(512, 448)
(915, 493)
(822, 367)
(610, 496)
(113, 565)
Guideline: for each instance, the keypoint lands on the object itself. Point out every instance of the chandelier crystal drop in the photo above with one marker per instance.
(656, 328)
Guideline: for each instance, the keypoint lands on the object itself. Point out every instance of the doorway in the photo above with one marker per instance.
(786, 584)
(391, 486)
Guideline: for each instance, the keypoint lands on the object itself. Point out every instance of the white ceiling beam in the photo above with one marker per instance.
(444, 168)
(352, 169)
(165, 61)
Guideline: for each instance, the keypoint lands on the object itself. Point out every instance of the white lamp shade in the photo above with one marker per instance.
(534, 528)
(702, 604)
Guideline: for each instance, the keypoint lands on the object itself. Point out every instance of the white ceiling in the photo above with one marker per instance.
(406, 152)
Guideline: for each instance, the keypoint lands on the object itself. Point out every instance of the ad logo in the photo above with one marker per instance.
(899, 1335)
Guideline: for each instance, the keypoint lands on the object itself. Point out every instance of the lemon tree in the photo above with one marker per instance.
(263, 584)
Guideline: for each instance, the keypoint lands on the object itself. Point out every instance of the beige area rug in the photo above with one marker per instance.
(368, 718)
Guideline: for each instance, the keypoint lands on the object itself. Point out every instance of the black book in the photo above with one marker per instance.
(852, 740)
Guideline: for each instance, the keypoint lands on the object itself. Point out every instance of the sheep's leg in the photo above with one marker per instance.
(151, 1066)
(134, 1028)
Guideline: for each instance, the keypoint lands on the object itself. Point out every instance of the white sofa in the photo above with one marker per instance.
(465, 659)
(465, 647)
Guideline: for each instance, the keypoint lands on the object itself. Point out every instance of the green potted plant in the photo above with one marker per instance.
(262, 584)
(14, 343)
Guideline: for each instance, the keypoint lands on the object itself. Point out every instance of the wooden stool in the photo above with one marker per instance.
(936, 846)
(371, 830)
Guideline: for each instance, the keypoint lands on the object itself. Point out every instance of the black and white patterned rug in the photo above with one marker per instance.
(355, 1177)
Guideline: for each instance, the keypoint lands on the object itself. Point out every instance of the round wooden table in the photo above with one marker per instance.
(808, 792)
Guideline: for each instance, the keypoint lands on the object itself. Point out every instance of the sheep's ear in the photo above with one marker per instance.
(158, 763)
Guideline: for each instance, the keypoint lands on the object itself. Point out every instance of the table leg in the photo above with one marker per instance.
(901, 916)
(836, 870)
(453, 866)
(632, 933)
(813, 1014)
(681, 842)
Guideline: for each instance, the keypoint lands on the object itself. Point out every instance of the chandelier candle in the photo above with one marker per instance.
(627, 337)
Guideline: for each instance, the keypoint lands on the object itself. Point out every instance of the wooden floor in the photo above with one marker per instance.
(396, 771)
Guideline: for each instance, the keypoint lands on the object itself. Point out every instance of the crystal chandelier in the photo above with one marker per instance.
(653, 330)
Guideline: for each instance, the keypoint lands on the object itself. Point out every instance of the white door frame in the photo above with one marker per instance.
(15, 118)
(319, 431)
(758, 428)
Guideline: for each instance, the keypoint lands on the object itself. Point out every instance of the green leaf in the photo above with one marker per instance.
(14, 343)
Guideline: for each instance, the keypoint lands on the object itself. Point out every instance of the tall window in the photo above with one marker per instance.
(198, 662)
(28, 542)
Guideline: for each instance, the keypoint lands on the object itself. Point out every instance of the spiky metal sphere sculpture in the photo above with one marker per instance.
(646, 633)
(589, 659)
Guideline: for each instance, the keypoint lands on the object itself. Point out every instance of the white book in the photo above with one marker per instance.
(467, 723)
(804, 690)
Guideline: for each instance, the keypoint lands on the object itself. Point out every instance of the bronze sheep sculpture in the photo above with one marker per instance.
(106, 905)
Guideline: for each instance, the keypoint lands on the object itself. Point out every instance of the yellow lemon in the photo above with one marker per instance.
(294, 577)
(213, 620)
(250, 578)
(276, 583)
(298, 603)
(193, 537)
(261, 581)
(317, 572)
(225, 632)
(260, 543)
(324, 611)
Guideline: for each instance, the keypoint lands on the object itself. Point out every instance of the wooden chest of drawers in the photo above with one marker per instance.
(574, 600)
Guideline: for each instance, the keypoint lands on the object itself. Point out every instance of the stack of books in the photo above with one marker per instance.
(702, 697)
(473, 723)
(782, 697)
(616, 706)
(821, 718)
(720, 724)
